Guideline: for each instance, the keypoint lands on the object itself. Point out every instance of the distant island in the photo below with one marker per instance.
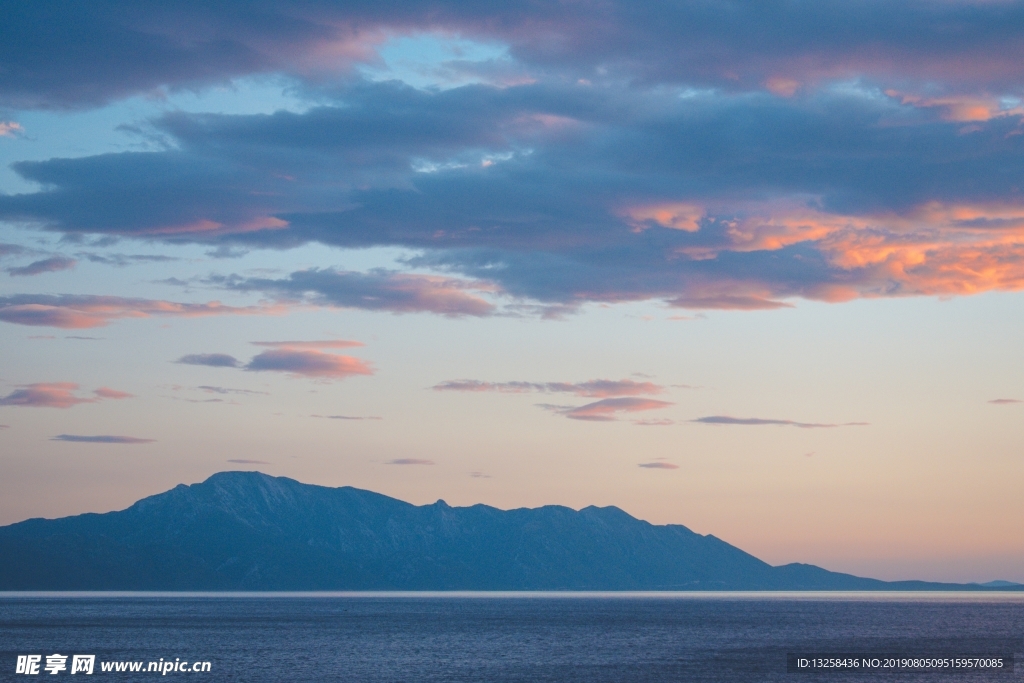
(251, 531)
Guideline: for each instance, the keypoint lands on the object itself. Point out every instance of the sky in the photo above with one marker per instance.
(750, 267)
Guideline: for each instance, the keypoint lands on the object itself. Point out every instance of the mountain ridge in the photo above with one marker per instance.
(250, 531)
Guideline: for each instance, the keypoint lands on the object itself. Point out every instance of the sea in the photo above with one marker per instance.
(558, 637)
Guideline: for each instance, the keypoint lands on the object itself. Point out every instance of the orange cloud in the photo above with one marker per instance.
(675, 215)
(964, 108)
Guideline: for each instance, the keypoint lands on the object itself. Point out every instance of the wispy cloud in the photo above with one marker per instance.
(409, 461)
(122, 260)
(1005, 401)
(48, 265)
(213, 360)
(224, 390)
(103, 438)
(597, 388)
(659, 465)
(654, 423)
(71, 311)
(607, 409)
(8, 129)
(349, 417)
(322, 344)
(376, 290)
(756, 421)
(107, 392)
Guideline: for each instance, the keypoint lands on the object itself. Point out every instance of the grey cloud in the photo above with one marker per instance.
(380, 289)
(59, 55)
(755, 421)
(48, 265)
(527, 192)
(213, 360)
(594, 387)
(106, 438)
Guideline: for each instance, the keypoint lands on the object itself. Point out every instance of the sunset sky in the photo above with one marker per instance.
(750, 267)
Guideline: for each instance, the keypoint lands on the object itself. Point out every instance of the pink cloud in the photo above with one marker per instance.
(409, 461)
(658, 466)
(9, 128)
(596, 388)
(69, 311)
(1005, 401)
(309, 363)
(56, 395)
(46, 395)
(606, 409)
(654, 423)
(107, 392)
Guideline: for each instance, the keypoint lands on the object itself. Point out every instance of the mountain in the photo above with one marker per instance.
(251, 531)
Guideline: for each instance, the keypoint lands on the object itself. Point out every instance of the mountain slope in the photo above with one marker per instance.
(247, 530)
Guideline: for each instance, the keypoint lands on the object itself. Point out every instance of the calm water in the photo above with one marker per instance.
(499, 638)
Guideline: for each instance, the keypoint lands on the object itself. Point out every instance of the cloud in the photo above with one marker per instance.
(349, 417)
(606, 409)
(82, 311)
(409, 461)
(49, 265)
(704, 154)
(5, 426)
(213, 360)
(597, 388)
(755, 421)
(1005, 401)
(107, 392)
(8, 129)
(79, 56)
(479, 475)
(225, 390)
(243, 461)
(324, 344)
(311, 363)
(377, 290)
(46, 395)
(658, 466)
(122, 260)
(105, 438)
(654, 423)
(57, 395)
(10, 249)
